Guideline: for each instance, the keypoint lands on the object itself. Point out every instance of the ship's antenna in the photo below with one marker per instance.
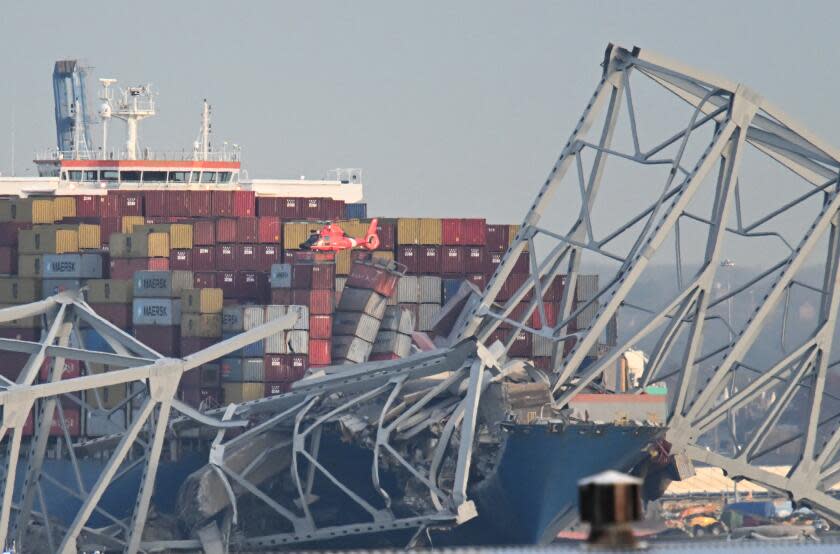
(205, 130)
(105, 113)
(13, 141)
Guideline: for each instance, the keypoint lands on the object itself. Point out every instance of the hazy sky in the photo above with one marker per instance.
(451, 108)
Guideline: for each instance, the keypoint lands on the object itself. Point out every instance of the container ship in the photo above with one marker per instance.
(182, 251)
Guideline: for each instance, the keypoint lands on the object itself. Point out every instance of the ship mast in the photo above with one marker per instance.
(135, 104)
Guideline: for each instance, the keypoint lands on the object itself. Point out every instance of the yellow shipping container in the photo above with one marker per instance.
(89, 236)
(158, 245)
(353, 227)
(431, 231)
(129, 221)
(180, 235)
(296, 233)
(343, 262)
(202, 301)
(385, 255)
(243, 392)
(64, 206)
(408, 230)
(512, 230)
(66, 241)
(43, 211)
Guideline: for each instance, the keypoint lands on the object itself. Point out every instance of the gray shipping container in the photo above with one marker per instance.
(72, 266)
(408, 290)
(109, 291)
(302, 323)
(281, 276)
(162, 284)
(232, 320)
(99, 423)
(350, 349)
(253, 370)
(363, 300)
(356, 324)
(276, 343)
(541, 346)
(398, 319)
(18, 290)
(391, 342)
(587, 287)
(431, 290)
(156, 311)
(252, 316)
(50, 287)
(426, 315)
(297, 342)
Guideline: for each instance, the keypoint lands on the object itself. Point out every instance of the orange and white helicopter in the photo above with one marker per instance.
(332, 239)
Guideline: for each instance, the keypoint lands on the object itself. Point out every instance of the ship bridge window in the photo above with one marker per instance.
(89, 176)
(195, 175)
(109, 175)
(224, 176)
(130, 176)
(179, 176)
(208, 177)
(74, 175)
(154, 176)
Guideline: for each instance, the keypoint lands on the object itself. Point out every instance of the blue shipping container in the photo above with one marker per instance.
(450, 288)
(355, 211)
(95, 341)
(236, 353)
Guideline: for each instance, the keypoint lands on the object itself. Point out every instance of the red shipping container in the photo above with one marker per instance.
(475, 259)
(452, 260)
(70, 370)
(226, 257)
(268, 206)
(279, 368)
(477, 279)
(473, 232)
(8, 260)
(204, 279)
(87, 206)
(118, 314)
(72, 421)
(387, 235)
(320, 327)
(333, 209)
(161, 338)
(320, 351)
(128, 202)
(253, 285)
(226, 229)
(300, 297)
(323, 276)
(109, 206)
(450, 232)
(281, 296)
(513, 284)
(9, 232)
(497, 237)
(247, 230)
(371, 277)
(246, 257)
(554, 293)
(204, 258)
(19, 333)
(194, 396)
(269, 230)
(291, 208)
(191, 345)
(381, 356)
(124, 268)
(107, 227)
(204, 232)
(181, 258)
(311, 208)
(158, 264)
(244, 203)
(267, 255)
(429, 263)
(226, 280)
(201, 203)
(179, 203)
(550, 316)
(321, 302)
(521, 266)
(273, 389)
(158, 203)
(302, 277)
(521, 347)
(221, 202)
(409, 256)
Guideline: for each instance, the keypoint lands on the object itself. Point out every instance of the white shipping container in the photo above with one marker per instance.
(302, 323)
(99, 423)
(252, 316)
(281, 276)
(356, 324)
(276, 344)
(156, 311)
(350, 349)
(426, 315)
(431, 289)
(275, 311)
(363, 300)
(397, 319)
(253, 370)
(587, 287)
(297, 342)
(232, 319)
(408, 290)
(391, 342)
(541, 346)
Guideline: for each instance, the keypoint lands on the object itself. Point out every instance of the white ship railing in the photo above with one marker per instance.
(181, 155)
